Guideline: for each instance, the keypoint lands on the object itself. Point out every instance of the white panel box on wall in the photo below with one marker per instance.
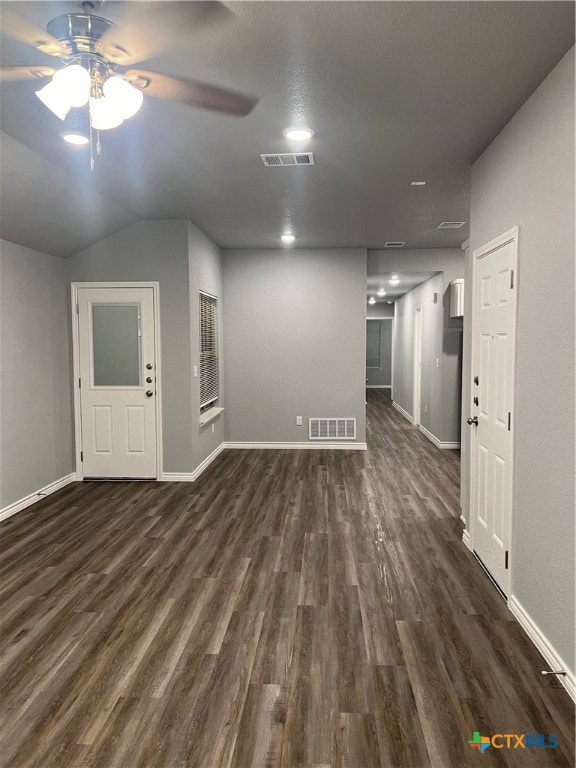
(457, 298)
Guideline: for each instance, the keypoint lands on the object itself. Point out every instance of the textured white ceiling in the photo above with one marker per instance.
(396, 91)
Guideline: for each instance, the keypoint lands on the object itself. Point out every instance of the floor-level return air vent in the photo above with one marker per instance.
(332, 429)
(288, 159)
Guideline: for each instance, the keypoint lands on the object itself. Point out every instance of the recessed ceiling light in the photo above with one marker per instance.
(77, 139)
(417, 183)
(390, 302)
(371, 300)
(298, 134)
(381, 292)
(287, 238)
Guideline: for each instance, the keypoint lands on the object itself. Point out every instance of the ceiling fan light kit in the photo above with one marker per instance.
(89, 47)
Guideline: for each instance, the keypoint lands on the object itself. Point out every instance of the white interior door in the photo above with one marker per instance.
(417, 364)
(492, 417)
(117, 366)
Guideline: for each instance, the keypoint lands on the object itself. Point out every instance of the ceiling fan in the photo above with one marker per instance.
(95, 89)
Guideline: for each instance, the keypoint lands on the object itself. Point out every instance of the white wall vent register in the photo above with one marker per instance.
(288, 159)
(331, 429)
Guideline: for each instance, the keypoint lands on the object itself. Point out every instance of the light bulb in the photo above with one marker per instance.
(287, 238)
(128, 99)
(381, 292)
(53, 98)
(371, 300)
(73, 82)
(76, 139)
(298, 134)
(104, 114)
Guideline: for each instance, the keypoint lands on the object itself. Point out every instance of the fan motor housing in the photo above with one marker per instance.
(79, 32)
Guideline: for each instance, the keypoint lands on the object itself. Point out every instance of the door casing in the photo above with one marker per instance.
(512, 235)
(417, 367)
(76, 367)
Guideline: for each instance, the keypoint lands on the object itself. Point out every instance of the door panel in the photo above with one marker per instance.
(493, 364)
(118, 410)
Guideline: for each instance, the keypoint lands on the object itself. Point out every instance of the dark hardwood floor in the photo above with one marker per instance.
(290, 608)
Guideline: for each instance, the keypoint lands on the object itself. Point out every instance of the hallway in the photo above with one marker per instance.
(290, 608)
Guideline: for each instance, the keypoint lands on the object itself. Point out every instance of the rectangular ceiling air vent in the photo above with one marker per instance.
(288, 159)
(451, 225)
(392, 244)
(331, 429)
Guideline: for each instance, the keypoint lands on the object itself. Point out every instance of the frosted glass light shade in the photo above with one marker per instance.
(53, 97)
(73, 81)
(128, 99)
(104, 114)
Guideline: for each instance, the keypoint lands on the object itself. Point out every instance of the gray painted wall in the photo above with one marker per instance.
(36, 434)
(294, 340)
(205, 270)
(526, 178)
(441, 336)
(156, 251)
(380, 309)
(382, 376)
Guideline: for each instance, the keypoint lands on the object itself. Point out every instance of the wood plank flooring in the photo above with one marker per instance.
(290, 608)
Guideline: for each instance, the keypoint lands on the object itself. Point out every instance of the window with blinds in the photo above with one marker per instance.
(208, 350)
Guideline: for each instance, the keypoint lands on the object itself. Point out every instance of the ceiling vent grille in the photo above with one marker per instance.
(288, 159)
(394, 244)
(331, 429)
(451, 225)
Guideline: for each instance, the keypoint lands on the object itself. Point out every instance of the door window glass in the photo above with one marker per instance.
(116, 345)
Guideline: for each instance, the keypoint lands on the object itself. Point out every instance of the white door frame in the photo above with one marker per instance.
(76, 367)
(511, 236)
(417, 366)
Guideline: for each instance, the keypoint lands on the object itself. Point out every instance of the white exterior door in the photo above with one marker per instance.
(492, 419)
(117, 387)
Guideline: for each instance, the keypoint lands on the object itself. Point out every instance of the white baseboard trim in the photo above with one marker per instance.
(302, 446)
(544, 646)
(378, 386)
(189, 477)
(403, 412)
(438, 443)
(466, 539)
(16, 506)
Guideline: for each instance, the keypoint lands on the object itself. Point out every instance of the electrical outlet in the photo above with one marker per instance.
(195, 371)
(298, 421)
(213, 428)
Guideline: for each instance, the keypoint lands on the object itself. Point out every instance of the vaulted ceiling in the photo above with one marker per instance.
(396, 92)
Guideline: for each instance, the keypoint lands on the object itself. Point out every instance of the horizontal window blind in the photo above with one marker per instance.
(208, 349)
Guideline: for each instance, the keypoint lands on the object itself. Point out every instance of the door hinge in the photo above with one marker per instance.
(77, 309)
(81, 455)
(79, 383)
(476, 380)
(509, 420)
(506, 560)
(511, 278)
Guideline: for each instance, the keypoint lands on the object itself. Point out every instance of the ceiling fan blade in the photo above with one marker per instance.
(24, 31)
(157, 28)
(191, 92)
(16, 74)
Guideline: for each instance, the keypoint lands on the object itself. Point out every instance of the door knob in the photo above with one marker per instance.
(149, 393)
(473, 420)
(149, 381)
(149, 366)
